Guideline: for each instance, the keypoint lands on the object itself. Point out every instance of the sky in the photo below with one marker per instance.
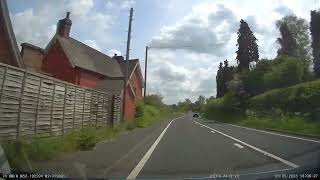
(188, 38)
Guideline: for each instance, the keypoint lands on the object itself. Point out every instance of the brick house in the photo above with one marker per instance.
(9, 51)
(70, 60)
(134, 86)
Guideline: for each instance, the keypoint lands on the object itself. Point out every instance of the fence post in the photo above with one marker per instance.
(97, 108)
(4, 78)
(52, 103)
(83, 103)
(36, 116)
(74, 106)
(91, 106)
(64, 106)
(20, 102)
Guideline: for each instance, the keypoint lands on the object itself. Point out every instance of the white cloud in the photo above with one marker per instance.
(112, 52)
(120, 4)
(93, 44)
(80, 7)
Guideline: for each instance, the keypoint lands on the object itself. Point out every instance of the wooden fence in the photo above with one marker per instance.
(31, 103)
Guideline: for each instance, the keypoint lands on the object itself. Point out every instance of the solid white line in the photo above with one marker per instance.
(134, 173)
(255, 148)
(288, 136)
(238, 145)
(264, 172)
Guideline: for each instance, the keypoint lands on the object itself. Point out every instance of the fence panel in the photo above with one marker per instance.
(31, 103)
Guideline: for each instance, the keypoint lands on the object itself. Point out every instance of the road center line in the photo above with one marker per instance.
(288, 136)
(238, 145)
(254, 148)
(134, 173)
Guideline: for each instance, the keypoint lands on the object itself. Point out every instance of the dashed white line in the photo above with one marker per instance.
(134, 173)
(213, 132)
(288, 136)
(238, 145)
(254, 148)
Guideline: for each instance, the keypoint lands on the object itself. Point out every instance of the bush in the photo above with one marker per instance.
(154, 100)
(86, 139)
(303, 98)
(223, 109)
(282, 72)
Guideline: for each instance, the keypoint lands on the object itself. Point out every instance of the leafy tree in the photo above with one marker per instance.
(287, 42)
(154, 100)
(211, 98)
(247, 47)
(315, 35)
(196, 106)
(299, 29)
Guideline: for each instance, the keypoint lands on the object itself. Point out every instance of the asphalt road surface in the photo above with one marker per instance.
(191, 148)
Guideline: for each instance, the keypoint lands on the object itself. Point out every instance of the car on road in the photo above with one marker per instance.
(196, 115)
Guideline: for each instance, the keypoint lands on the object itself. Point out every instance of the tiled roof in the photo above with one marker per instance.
(85, 57)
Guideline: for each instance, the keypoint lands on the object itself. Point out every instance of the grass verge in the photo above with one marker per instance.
(25, 150)
(296, 125)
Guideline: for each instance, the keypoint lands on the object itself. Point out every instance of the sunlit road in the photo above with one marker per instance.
(189, 147)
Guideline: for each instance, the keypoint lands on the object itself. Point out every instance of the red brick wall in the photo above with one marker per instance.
(129, 105)
(57, 64)
(5, 54)
(135, 82)
(130, 99)
(89, 79)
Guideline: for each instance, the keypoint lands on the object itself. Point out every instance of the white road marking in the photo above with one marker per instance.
(264, 172)
(134, 173)
(288, 136)
(255, 148)
(238, 145)
(213, 132)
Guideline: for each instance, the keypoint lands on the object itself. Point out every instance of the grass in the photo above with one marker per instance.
(285, 124)
(25, 150)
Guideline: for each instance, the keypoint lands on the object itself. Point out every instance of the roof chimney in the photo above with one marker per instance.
(64, 26)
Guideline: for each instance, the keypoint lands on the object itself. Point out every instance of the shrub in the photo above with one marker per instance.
(282, 72)
(303, 98)
(86, 139)
(154, 100)
(223, 109)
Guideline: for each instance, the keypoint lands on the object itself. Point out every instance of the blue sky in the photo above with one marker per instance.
(200, 34)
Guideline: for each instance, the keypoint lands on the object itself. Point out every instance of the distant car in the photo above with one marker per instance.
(195, 115)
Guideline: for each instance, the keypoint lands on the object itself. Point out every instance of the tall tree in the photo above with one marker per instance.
(247, 47)
(287, 42)
(299, 29)
(315, 35)
(219, 80)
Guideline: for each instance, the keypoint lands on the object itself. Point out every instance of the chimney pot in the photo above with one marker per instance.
(68, 15)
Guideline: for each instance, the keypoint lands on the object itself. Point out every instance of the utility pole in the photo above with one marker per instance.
(127, 62)
(145, 73)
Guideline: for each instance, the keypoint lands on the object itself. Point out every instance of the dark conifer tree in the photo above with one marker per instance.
(219, 80)
(247, 47)
(315, 44)
(287, 42)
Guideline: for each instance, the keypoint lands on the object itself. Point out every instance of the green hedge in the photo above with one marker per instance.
(281, 72)
(302, 98)
(222, 109)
